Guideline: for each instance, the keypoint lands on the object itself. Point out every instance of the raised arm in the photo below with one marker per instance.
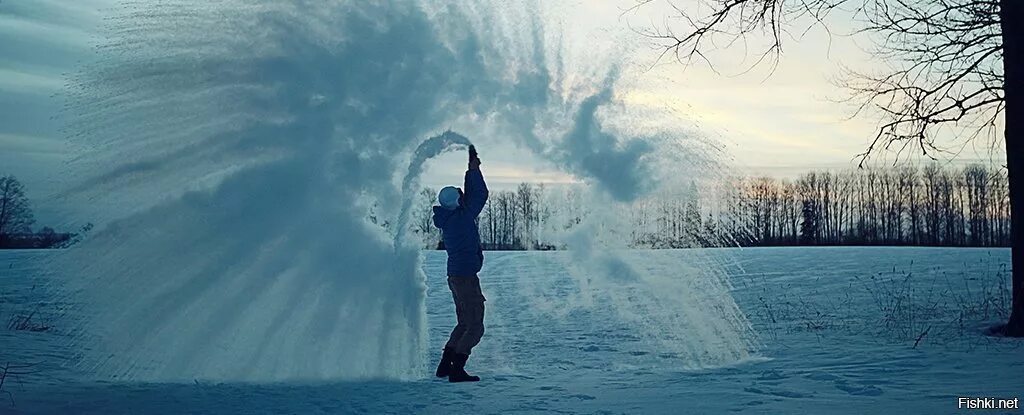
(476, 189)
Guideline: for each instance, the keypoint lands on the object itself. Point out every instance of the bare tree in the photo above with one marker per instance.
(526, 207)
(955, 64)
(15, 213)
(423, 223)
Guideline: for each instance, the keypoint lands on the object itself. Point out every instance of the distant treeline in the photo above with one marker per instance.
(46, 238)
(932, 206)
(511, 220)
(16, 220)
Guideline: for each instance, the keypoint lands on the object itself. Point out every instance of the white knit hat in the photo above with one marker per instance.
(449, 197)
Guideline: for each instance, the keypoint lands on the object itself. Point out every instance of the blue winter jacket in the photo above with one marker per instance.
(458, 228)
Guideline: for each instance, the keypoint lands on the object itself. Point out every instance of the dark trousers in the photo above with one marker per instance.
(469, 310)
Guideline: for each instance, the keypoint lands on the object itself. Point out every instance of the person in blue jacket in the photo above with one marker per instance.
(456, 217)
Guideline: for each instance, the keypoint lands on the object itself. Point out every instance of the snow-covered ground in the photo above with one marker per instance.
(838, 330)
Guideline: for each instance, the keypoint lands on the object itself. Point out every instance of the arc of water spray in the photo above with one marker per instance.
(428, 149)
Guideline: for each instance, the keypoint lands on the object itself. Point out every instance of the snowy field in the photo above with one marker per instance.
(838, 330)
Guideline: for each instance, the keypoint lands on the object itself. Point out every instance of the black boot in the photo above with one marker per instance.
(445, 366)
(458, 373)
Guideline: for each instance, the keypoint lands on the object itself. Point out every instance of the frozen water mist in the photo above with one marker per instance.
(681, 305)
(231, 153)
(432, 147)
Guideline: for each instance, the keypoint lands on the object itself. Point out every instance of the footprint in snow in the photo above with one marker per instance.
(771, 375)
(777, 392)
(824, 376)
(861, 390)
(746, 406)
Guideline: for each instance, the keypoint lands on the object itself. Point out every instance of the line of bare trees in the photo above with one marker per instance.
(511, 219)
(899, 206)
(931, 206)
(16, 220)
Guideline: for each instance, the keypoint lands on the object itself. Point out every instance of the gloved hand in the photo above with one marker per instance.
(474, 161)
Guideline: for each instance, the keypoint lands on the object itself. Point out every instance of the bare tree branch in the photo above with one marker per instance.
(944, 59)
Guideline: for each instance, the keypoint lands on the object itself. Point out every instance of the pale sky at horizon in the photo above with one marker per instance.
(778, 125)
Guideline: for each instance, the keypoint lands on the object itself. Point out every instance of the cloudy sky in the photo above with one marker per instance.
(779, 123)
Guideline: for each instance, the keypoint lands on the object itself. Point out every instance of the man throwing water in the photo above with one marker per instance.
(456, 217)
